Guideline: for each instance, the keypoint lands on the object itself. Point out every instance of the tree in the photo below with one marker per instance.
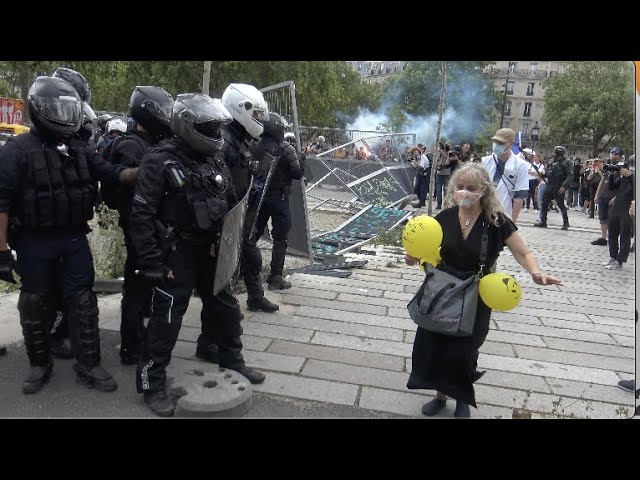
(592, 103)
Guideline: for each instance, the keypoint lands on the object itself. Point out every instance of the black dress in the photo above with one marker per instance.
(448, 364)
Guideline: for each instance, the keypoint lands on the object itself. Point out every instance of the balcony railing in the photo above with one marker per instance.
(502, 72)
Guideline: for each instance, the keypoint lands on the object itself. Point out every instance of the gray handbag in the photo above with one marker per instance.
(445, 304)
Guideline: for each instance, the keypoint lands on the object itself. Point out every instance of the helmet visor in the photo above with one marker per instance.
(64, 110)
(88, 113)
(160, 111)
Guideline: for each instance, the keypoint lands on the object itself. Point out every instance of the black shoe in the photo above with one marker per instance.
(159, 403)
(462, 410)
(127, 358)
(254, 376)
(59, 349)
(3, 350)
(434, 406)
(208, 353)
(540, 224)
(565, 227)
(95, 377)
(255, 304)
(600, 241)
(36, 379)
(278, 283)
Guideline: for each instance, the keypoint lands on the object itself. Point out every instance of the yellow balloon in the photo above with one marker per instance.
(500, 291)
(421, 236)
(433, 258)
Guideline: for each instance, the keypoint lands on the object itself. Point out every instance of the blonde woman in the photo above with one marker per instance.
(449, 364)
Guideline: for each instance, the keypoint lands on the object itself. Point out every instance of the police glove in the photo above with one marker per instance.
(6, 266)
(159, 275)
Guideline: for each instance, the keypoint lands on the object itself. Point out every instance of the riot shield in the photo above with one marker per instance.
(230, 245)
(261, 181)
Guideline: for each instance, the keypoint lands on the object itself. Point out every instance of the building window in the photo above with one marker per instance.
(507, 109)
(527, 110)
(510, 86)
(530, 86)
(525, 128)
(532, 67)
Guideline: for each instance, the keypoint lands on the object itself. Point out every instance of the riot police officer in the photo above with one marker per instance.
(47, 193)
(249, 111)
(181, 197)
(276, 197)
(150, 107)
(559, 175)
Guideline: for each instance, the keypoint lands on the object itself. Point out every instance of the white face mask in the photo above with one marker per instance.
(465, 198)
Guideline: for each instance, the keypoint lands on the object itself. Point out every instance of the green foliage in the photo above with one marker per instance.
(107, 244)
(328, 93)
(391, 237)
(593, 103)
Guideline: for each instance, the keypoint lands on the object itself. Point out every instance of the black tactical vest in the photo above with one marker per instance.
(194, 203)
(58, 190)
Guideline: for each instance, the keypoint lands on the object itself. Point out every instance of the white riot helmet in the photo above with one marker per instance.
(247, 105)
(117, 125)
(290, 137)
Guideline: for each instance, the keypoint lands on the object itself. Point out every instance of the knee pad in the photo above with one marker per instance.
(33, 307)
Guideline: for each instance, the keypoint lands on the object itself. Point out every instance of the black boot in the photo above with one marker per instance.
(462, 410)
(255, 304)
(278, 283)
(565, 226)
(35, 311)
(434, 406)
(159, 403)
(208, 353)
(37, 378)
(254, 376)
(565, 221)
(95, 377)
(540, 224)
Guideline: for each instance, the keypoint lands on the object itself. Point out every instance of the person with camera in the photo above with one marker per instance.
(448, 364)
(594, 175)
(559, 175)
(422, 163)
(574, 187)
(603, 195)
(622, 187)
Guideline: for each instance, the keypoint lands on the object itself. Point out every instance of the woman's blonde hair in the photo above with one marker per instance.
(490, 202)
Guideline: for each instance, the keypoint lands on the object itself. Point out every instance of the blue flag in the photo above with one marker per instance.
(515, 148)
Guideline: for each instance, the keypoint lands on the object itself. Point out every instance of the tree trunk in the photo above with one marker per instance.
(436, 150)
(206, 78)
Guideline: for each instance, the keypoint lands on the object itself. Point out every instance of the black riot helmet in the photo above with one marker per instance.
(77, 80)
(151, 107)
(275, 126)
(197, 119)
(55, 107)
(559, 151)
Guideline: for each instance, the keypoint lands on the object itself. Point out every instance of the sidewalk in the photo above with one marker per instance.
(342, 347)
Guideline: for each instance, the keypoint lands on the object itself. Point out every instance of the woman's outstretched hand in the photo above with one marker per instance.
(544, 279)
(409, 260)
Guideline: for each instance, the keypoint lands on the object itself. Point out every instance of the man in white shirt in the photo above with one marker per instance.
(509, 172)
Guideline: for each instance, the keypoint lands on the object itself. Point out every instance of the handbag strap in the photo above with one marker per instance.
(484, 245)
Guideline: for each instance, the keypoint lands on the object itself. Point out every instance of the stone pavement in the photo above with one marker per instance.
(342, 347)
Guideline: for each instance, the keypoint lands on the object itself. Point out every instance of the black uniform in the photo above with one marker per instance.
(276, 201)
(558, 173)
(136, 293)
(237, 156)
(175, 221)
(49, 197)
(619, 221)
